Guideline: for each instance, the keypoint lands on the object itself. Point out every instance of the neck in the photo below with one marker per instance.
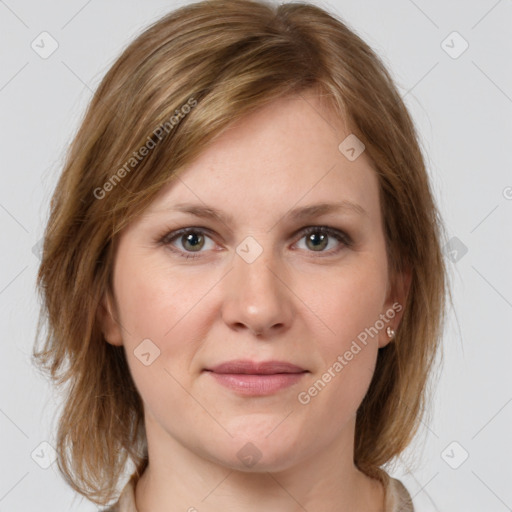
(182, 479)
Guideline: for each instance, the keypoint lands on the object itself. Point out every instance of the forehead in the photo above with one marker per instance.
(283, 155)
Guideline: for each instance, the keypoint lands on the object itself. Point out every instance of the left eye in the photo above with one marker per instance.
(317, 238)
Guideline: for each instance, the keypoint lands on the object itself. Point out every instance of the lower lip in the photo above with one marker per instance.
(254, 385)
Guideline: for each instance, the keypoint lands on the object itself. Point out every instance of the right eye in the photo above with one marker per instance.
(191, 240)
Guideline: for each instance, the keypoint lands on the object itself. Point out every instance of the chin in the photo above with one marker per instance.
(255, 450)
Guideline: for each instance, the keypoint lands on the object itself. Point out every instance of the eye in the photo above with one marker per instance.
(318, 238)
(188, 240)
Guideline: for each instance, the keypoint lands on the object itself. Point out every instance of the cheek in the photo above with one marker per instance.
(347, 301)
(153, 301)
(143, 305)
(157, 309)
(150, 312)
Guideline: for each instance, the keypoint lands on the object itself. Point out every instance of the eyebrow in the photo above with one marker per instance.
(300, 213)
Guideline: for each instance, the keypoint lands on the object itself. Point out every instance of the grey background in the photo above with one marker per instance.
(463, 109)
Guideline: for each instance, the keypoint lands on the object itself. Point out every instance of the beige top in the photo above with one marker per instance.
(397, 498)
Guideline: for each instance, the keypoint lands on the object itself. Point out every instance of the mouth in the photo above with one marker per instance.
(256, 379)
(243, 366)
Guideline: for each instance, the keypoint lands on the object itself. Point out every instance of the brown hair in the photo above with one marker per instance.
(224, 59)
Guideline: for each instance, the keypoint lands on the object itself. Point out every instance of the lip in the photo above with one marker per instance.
(245, 366)
(251, 378)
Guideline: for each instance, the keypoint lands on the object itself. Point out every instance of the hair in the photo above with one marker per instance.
(173, 90)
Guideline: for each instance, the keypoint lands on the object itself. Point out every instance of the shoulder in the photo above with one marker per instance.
(397, 498)
(126, 501)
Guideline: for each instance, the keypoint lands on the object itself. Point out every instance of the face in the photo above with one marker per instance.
(237, 260)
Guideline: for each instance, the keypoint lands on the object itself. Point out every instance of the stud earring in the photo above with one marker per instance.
(390, 332)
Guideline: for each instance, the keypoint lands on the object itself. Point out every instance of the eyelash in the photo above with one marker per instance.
(170, 236)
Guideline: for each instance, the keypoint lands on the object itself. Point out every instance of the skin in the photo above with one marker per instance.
(297, 302)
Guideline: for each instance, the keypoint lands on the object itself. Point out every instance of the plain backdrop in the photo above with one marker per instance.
(451, 62)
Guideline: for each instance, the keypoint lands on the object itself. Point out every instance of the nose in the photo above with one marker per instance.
(256, 298)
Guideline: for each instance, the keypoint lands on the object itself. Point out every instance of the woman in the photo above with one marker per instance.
(242, 271)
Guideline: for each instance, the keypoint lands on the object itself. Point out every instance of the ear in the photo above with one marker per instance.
(107, 319)
(395, 305)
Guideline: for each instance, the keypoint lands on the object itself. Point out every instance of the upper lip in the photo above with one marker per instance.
(256, 368)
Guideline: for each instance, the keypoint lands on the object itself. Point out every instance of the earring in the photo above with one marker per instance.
(390, 332)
